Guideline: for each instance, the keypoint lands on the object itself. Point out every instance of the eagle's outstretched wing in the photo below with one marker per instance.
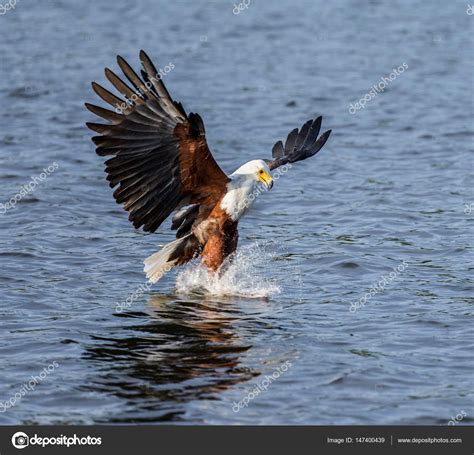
(299, 145)
(161, 160)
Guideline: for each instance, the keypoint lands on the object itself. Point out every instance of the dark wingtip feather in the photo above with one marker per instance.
(303, 133)
(107, 96)
(145, 60)
(104, 113)
(319, 144)
(313, 132)
(290, 141)
(100, 127)
(300, 145)
(278, 150)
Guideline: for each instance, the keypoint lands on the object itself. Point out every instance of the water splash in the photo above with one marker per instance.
(244, 276)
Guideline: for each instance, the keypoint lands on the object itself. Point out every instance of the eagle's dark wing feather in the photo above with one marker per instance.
(299, 145)
(160, 157)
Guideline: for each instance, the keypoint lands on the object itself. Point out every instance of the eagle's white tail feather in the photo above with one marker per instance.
(158, 264)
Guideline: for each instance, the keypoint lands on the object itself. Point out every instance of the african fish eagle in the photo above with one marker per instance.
(161, 163)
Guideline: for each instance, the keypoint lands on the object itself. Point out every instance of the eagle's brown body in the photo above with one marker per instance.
(222, 237)
(161, 163)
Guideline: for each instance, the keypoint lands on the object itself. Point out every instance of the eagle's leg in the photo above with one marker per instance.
(231, 246)
(221, 243)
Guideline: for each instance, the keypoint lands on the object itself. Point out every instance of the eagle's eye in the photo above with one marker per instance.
(260, 171)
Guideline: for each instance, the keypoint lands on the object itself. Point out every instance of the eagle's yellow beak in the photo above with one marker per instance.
(266, 179)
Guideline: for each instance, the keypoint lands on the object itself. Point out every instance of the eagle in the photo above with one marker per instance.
(160, 163)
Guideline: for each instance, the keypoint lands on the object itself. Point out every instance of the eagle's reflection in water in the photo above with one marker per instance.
(178, 352)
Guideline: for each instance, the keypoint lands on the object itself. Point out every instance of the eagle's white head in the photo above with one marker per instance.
(243, 188)
(253, 172)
